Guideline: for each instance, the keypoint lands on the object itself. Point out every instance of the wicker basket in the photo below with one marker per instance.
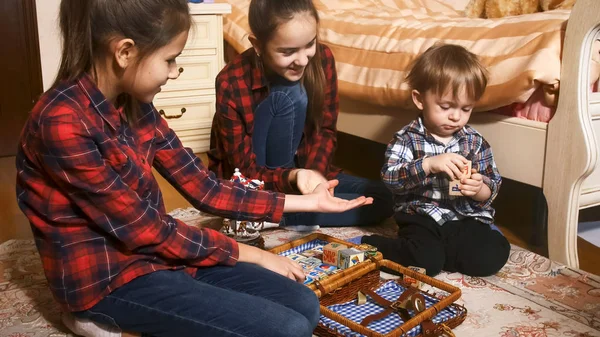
(343, 287)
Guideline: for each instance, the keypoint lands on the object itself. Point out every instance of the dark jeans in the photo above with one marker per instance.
(278, 127)
(278, 124)
(245, 300)
(466, 246)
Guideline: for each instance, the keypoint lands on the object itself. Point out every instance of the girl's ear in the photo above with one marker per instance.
(417, 99)
(125, 52)
(255, 44)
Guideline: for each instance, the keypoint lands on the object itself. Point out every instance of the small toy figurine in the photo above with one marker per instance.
(243, 231)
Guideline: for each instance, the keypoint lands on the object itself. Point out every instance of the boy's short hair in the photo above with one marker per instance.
(448, 66)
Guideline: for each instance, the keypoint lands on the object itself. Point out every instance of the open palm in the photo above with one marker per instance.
(326, 202)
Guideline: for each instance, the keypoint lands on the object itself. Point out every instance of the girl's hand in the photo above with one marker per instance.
(283, 266)
(326, 202)
(308, 180)
(278, 264)
(450, 163)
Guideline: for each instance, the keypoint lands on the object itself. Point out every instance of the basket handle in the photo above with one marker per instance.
(320, 287)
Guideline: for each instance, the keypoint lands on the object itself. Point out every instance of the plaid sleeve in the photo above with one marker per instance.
(236, 141)
(184, 170)
(483, 162)
(401, 172)
(70, 157)
(323, 144)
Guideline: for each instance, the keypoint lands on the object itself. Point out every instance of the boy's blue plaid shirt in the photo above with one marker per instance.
(416, 193)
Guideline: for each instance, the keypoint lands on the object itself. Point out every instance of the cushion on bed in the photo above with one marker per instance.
(375, 41)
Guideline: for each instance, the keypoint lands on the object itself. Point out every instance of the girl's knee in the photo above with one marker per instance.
(296, 326)
(307, 304)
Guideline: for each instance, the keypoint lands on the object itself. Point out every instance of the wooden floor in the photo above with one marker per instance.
(515, 204)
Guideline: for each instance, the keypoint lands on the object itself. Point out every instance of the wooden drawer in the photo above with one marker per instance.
(198, 72)
(189, 113)
(204, 32)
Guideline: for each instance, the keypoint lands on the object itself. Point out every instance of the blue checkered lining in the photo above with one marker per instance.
(390, 291)
(308, 245)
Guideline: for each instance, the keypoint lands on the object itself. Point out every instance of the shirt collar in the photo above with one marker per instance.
(111, 115)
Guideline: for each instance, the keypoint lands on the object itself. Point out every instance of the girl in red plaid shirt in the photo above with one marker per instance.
(276, 114)
(111, 253)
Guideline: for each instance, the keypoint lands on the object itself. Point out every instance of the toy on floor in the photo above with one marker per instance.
(245, 231)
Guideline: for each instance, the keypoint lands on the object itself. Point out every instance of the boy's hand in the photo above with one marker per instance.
(450, 163)
(474, 187)
(469, 187)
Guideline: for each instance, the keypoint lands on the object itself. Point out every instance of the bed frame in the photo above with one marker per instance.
(559, 156)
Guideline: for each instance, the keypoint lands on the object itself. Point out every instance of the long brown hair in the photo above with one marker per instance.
(264, 17)
(89, 25)
(445, 67)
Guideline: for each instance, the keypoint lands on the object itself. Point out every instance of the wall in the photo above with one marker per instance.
(49, 34)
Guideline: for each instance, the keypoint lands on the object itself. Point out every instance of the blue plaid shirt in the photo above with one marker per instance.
(417, 193)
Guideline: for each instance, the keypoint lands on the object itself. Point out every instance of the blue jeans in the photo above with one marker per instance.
(278, 127)
(279, 123)
(244, 300)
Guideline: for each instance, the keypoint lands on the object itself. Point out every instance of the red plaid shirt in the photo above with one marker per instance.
(241, 86)
(85, 182)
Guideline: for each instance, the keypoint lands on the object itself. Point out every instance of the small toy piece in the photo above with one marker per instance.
(412, 281)
(244, 231)
(454, 188)
(350, 257)
(311, 262)
(367, 249)
(360, 298)
(296, 257)
(312, 253)
(330, 253)
(329, 269)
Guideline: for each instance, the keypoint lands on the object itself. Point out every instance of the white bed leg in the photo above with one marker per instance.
(563, 214)
(571, 149)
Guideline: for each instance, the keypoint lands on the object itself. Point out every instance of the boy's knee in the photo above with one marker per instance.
(430, 257)
(495, 256)
(433, 260)
(500, 253)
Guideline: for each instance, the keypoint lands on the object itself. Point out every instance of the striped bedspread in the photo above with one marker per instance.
(375, 41)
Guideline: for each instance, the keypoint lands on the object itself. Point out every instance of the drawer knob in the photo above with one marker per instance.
(162, 113)
(180, 70)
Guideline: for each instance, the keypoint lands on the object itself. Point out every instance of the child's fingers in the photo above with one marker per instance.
(467, 193)
(469, 184)
(456, 171)
(449, 172)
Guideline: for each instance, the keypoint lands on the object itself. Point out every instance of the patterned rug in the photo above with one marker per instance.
(530, 297)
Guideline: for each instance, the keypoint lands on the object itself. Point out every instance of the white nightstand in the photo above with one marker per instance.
(188, 103)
